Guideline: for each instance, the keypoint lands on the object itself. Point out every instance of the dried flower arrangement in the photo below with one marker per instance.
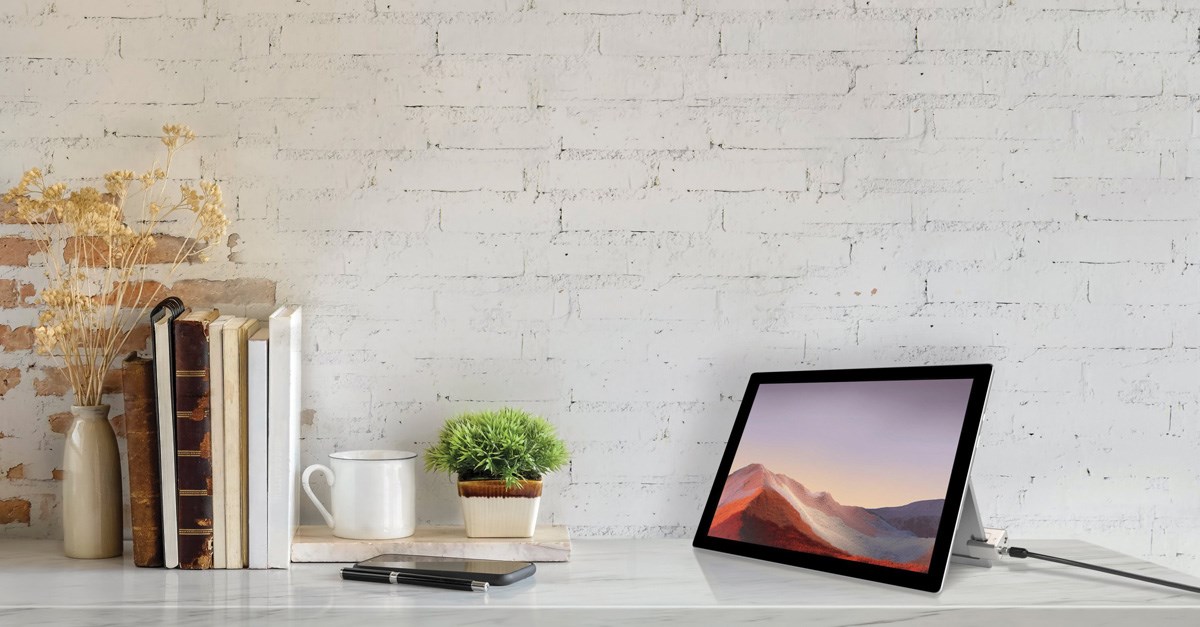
(98, 258)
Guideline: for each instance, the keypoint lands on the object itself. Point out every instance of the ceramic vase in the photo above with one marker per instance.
(491, 510)
(91, 498)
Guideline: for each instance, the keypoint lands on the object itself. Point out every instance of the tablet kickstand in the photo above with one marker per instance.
(973, 543)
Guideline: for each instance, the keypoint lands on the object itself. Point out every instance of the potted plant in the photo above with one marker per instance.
(500, 458)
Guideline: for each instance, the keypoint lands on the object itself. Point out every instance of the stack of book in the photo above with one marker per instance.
(213, 426)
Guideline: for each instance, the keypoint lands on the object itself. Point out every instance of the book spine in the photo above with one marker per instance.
(141, 434)
(234, 342)
(216, 383)
(164, 391)
(229, 357)
(283, 427)
(193, 445)
(256, 439)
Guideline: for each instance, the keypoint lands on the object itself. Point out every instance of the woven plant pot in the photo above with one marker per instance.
(494, 511)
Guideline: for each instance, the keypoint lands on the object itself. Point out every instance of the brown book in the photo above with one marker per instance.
(141, 435)
(193, 440)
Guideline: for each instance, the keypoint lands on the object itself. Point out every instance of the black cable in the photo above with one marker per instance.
(1020, 553)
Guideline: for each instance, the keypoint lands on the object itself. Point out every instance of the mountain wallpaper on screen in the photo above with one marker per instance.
(766, 508)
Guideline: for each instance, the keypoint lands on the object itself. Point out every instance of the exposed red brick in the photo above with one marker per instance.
(16, 251)
(199, 293)
(60, 421)
(139, 339)
(9, 378)
(112, 381)
(56, 474)
(202, 293)
(53, 382)
(141, 294)
(93, 251)
(16, 339)
(16, 472)
(15, 294)
(6, 216)
(22, 338)
(14, 510)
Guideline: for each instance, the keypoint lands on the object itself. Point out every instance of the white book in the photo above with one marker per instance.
(216, 409)
(256, 447)
(235, 342)
(164, 385)
(283, 431)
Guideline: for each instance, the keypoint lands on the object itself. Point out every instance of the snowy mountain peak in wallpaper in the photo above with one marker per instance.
(770, 509)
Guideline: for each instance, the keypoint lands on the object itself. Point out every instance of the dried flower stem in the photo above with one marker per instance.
(97, 259)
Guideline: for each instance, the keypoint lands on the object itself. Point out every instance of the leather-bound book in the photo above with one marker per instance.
(193, 440)
(141, 435)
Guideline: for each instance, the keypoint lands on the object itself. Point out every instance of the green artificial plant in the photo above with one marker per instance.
(507, 444)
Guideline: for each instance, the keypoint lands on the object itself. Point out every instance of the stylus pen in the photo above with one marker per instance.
(414, 579)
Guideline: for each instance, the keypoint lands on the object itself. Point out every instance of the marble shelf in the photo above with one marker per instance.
(318, 544)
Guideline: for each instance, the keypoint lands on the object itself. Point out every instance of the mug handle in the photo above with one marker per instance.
(328, 477)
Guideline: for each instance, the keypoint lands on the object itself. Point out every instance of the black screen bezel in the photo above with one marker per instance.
(931, 581)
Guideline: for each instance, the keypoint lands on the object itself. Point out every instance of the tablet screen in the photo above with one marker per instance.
(844, 472)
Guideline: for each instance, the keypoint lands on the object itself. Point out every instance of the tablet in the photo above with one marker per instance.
(853, 472)
(494, 572)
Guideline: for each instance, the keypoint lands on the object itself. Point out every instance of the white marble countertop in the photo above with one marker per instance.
(606, 582)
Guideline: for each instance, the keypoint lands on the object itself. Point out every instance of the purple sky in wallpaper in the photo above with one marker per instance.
(867, 443)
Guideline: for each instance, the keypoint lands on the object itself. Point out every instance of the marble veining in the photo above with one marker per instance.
(652, 581)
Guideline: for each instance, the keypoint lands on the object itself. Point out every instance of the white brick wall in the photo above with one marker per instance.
(611, 211)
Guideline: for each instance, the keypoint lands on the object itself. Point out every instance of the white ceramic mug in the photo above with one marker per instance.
(373, 494)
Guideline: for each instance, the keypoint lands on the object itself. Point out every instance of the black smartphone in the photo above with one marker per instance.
(494, 572)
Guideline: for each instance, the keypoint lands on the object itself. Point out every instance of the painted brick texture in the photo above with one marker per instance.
(612, 211)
